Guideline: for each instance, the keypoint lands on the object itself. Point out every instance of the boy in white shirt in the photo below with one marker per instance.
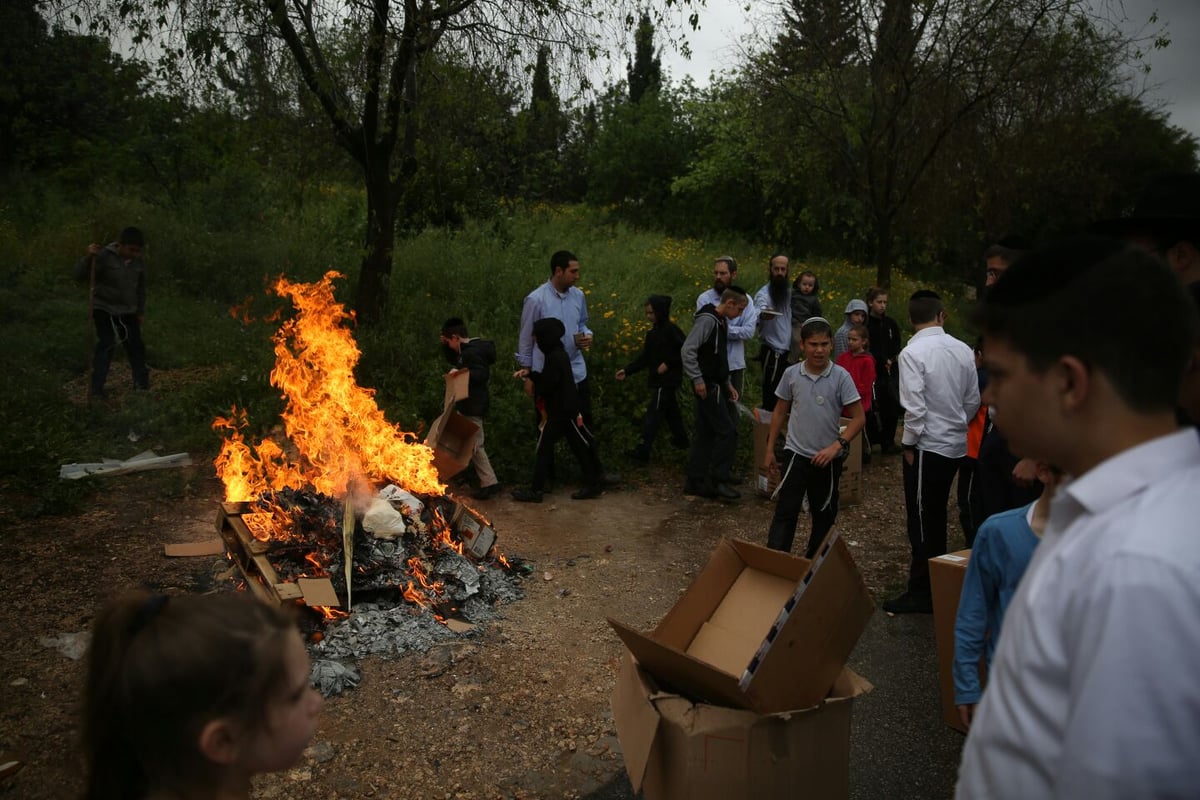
(1093, 691)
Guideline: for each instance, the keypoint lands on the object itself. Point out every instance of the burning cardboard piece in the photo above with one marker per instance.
(452, 436)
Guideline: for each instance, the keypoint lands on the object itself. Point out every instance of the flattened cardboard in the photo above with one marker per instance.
(809, 635)
(454, 444)
(209, 547)
(946, 575)
(675, 749)
(318, 592)
(764, 482)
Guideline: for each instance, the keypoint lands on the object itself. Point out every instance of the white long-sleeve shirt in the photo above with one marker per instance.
(939, 390)
(1093, 692)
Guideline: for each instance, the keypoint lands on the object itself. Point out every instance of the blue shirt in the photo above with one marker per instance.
(1003, 548)
(775, 331)
(737, 330)
(570, 307)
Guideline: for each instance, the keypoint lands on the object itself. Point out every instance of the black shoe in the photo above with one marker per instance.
(588, 493)
(727, 492)
(699, 489)
(735, 480)
(909, 603)
(523, 495)
(680, 444)
(487, 492)
(637, 455)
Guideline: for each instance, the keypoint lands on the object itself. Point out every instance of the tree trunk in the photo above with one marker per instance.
(375, 277)
(883, 253)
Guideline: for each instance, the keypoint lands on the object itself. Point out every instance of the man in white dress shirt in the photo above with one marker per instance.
(1093, 692)
(939, 390)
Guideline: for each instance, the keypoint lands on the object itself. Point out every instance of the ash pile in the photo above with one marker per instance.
(411, 587)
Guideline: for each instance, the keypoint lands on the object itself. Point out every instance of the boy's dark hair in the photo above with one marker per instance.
(924, 306)
(735, 293)
(1060, 300)
(561, 260)
(1010, 248)
(808, 273)
(730, 262)
(455, 327)
(874, 292)
(814, 326)
(132, 235)
(861, 330)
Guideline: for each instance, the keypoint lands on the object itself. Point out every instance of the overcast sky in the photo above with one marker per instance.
(1174, 76)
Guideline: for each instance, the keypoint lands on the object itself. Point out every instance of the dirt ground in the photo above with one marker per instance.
(519, 710)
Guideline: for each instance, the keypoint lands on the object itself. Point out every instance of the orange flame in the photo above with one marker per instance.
(340, 433)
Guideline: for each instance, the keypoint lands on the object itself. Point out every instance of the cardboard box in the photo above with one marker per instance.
(759, 629)
(850, 484)
(764, 482)
(676, 749)
(453, 445)
(946, 575)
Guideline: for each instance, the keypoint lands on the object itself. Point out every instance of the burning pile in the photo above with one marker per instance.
(347, 496)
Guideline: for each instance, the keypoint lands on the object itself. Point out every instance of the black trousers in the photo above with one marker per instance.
(773, 367)
(711, 456)
(885, 414)
(662, 407)
(927, 484)
(111, 330)
(801, 477)
(579, 439)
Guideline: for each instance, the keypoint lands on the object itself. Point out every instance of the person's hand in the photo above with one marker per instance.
(662, 368)
(966, 713)
(523, 372)
(93, 249)
(769, 463)
(826, 455)
(909, 456)
(701, 390)
(583, 340)
(620, 374)
(733, 394)
(1025, 472)
(579, 420)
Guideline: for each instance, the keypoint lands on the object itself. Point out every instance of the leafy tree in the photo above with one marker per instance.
(645, 71)
(362, 62)
(924, 76)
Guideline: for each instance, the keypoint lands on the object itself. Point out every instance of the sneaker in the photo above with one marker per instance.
(487, 492)
(523, 495)
(698, 489)
(909, 603)
(588, 493)
(727, 492)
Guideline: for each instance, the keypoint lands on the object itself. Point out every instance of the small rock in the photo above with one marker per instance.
(321, 752)
(19, 682)
(547, 577)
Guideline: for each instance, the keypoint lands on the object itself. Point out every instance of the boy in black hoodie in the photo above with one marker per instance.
(660, 357)
(477, 356)
(558, 401)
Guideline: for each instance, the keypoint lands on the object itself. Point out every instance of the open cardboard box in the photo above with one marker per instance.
(759, 629)
(676, 749)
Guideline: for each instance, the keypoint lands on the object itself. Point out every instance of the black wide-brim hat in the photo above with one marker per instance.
(1169, 205)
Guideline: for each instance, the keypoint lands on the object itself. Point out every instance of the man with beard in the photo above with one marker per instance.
(738, 330)
(773, 303)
